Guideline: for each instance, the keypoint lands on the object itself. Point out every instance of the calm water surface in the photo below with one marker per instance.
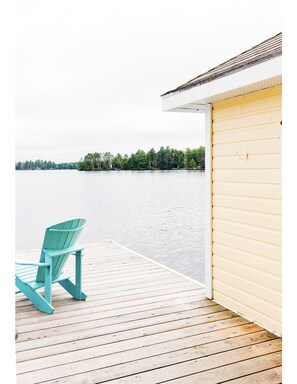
(159, 214)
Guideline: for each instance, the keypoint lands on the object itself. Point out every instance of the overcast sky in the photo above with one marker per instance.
(89, 74)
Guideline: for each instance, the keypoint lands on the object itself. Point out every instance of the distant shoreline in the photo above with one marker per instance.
(163, 159)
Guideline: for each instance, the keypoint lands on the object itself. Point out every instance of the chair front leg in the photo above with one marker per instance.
(78, 274)
(75, 289)
(48, 280)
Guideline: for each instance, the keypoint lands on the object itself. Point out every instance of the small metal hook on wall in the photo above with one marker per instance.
(243, 156)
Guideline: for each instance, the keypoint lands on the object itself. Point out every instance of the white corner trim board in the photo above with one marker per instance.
(208, 203)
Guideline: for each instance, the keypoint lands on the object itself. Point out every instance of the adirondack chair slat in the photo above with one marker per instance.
(60, 241)
(29, 275)
(28, 270)
(24, 270)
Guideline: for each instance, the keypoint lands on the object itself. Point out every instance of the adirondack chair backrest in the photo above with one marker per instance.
(59, 237)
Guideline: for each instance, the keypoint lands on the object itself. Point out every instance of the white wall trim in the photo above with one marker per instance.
(208, 202)
(200, 94)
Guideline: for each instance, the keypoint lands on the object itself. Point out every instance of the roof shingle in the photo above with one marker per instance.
(266, 50)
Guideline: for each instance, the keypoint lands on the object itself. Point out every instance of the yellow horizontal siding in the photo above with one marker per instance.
(266, 176)
(249, 287)
(265, 235)
(249, 299)
(241, 275)
(257, 262)
(248, 312)
(255, 147)
(271, 251)
(223, 112)
(248, 203)
(265, 131)
(268, 191)
(251, 101)
(248, 120)
(246, 217)
(252, 162)
(246, 198)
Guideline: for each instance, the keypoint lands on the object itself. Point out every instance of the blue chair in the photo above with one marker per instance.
(60, 241)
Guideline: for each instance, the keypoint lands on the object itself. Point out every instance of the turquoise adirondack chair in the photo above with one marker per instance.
(60, 241)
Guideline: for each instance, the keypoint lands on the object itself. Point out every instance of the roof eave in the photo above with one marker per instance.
(257, 77)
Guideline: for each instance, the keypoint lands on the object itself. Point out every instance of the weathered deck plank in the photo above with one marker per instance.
(141, 323)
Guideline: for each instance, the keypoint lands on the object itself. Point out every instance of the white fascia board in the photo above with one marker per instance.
(201, 94)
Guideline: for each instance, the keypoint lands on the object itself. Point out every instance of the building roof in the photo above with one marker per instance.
(267, 50)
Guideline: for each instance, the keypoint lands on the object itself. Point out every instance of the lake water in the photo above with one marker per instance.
(159, 214)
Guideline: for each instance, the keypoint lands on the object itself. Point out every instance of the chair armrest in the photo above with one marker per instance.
(71, 250)
(33, 264)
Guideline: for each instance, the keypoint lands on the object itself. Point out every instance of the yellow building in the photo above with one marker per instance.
(241, 99)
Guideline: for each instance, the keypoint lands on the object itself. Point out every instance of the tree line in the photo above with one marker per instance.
(43, 165)
(164, 159)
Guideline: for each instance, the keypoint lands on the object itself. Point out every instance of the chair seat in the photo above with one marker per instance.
(27, 273)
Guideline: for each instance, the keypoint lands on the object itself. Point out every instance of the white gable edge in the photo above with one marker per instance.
(248, 80)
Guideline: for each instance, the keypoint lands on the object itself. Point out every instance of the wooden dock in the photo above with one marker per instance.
(141, 323)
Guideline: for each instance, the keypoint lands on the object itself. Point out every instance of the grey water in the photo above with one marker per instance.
(159, 214)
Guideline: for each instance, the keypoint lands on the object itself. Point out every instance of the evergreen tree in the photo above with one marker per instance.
(118, 162)
(192, 164)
